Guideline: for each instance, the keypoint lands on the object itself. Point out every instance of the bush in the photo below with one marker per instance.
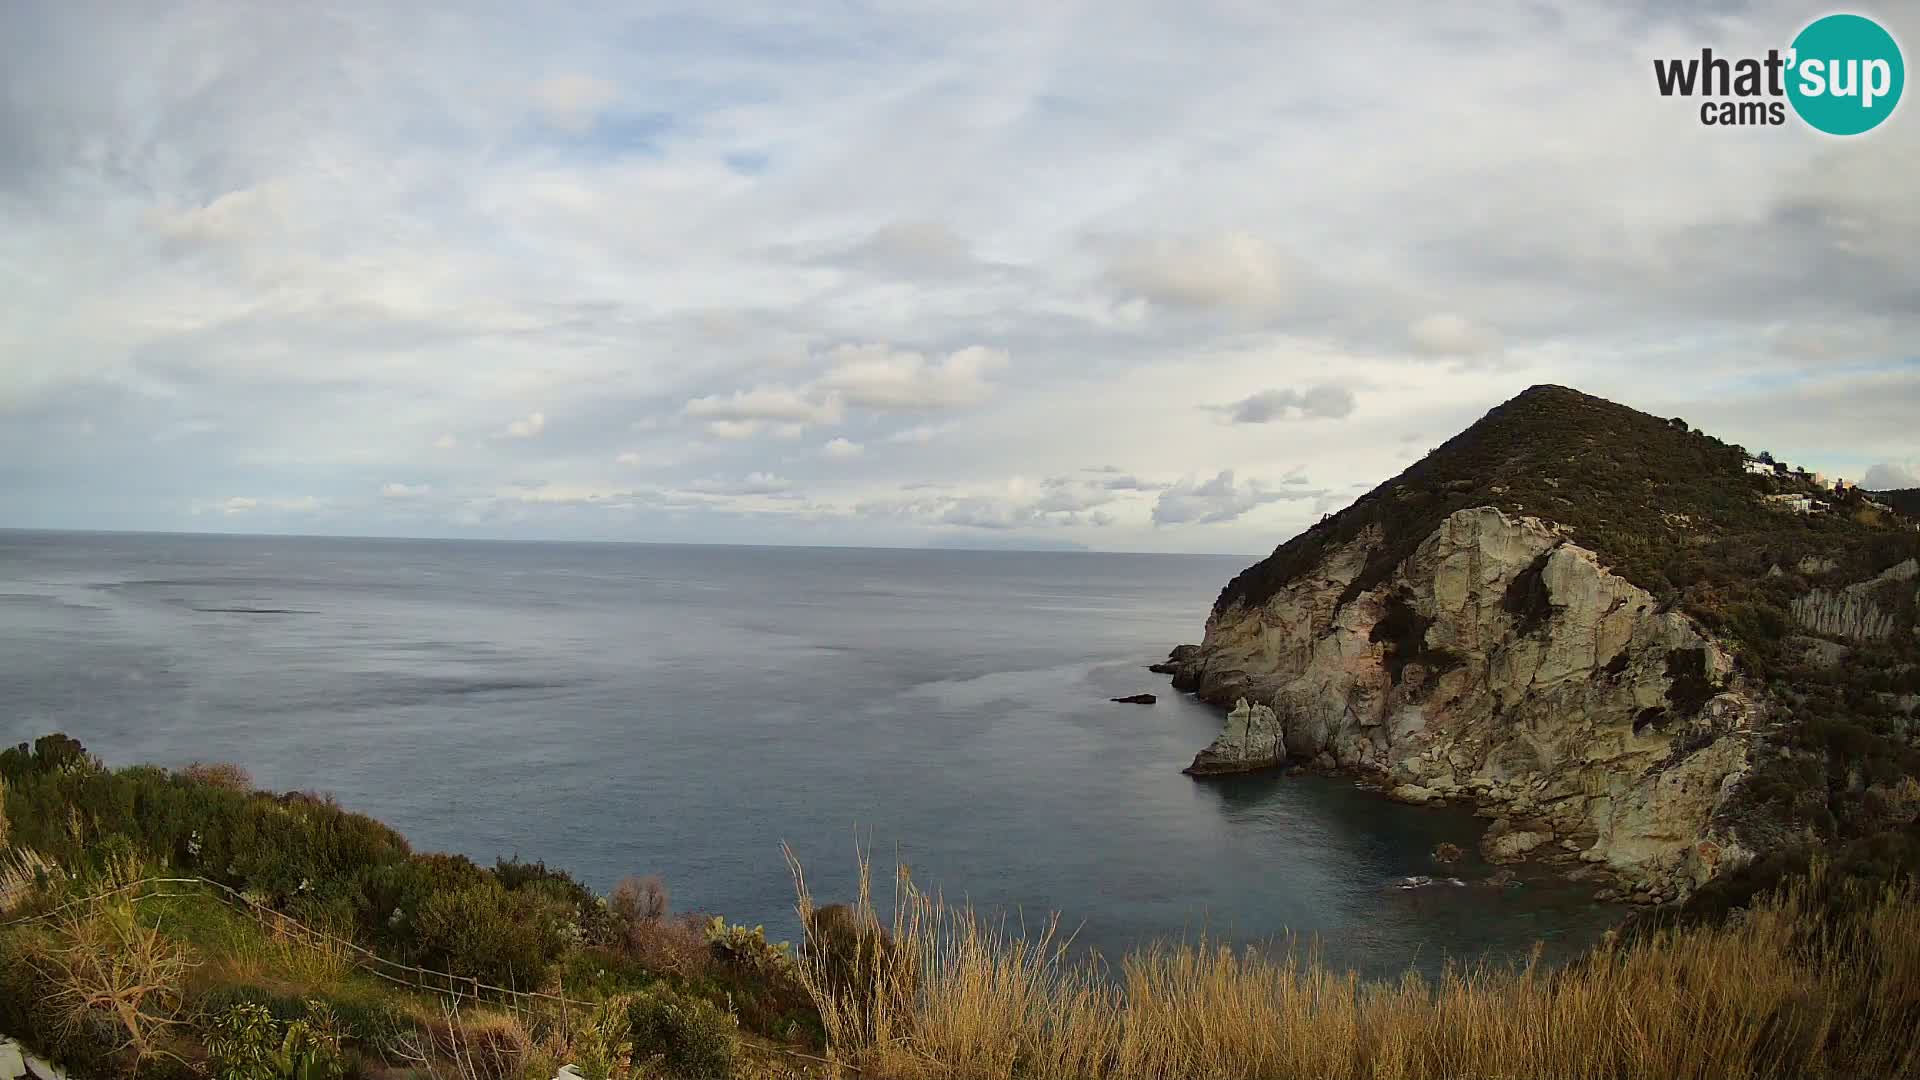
(680, 1036)
(848, 950)
(224, 775)
(486, 933)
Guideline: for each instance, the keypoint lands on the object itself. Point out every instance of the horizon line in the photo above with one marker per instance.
(987, 550)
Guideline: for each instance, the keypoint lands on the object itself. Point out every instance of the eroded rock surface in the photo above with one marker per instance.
(1502, 664)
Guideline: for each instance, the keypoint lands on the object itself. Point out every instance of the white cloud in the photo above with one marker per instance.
(405, 491)
(238, 505)
(236, 216)
(756, 483)
(732, 429)
(1449, 334)
(572, 102)
(842, 449)
(565, 211)
(1234, 269)
(527, 427)
(768, 403)
(917, 435)
(881, 377)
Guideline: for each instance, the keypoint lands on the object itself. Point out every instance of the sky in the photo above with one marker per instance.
(1128, 276)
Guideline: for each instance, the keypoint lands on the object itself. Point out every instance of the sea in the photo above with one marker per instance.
(691, 711)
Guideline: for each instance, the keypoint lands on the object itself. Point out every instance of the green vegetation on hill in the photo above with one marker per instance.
(71, 829)
(1669, 508)
(1821, 979)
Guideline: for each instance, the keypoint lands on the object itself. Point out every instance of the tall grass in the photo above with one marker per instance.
(1786, 991)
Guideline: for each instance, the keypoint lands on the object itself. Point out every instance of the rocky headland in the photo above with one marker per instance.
(1559, 617)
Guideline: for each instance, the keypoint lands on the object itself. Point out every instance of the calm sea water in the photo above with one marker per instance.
(682, 711)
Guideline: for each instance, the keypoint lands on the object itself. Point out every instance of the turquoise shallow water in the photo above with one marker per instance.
(683, 711)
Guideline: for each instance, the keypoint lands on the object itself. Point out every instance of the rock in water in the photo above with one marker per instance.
(1249, 741)
(1136, 699)
(1447, 853)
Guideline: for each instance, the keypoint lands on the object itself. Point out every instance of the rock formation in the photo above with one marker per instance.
(1503, 664)
(1586, 621)
(1851, 612)
(1249, 741)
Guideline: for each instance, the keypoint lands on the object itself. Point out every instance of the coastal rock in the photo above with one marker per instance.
(1447, 853)
(1136, 699)
(1413, 794)
(1250, 741)
(1500, 660)
(1513, 846)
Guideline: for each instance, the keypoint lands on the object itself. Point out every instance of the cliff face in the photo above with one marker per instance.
(1501, 663)
(1851, 611)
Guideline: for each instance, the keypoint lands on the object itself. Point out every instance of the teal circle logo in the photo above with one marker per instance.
(1845, 74)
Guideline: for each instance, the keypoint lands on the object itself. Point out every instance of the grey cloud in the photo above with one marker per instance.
(1326, 401)
(1218, 500)
(1892, 476)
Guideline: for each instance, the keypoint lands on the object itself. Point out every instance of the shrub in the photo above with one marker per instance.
(488, 1045)
(486, 933)
(242, 1043)
(847, 949)
(674, 945)
(247, 1042)
(639, 899)
(748, 950)
(224, 775)
(109, 984)
(680, 1036)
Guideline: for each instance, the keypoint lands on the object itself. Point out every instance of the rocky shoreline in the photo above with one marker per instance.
(1504, 668)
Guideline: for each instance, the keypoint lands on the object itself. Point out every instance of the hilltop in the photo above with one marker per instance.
(1640, 648)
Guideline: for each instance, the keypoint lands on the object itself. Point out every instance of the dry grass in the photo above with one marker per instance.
(21, 872)
(282, 956)
(1779, 994)
(108, 979)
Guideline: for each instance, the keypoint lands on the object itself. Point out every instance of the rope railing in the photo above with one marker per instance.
(457, 987)
(409, 975)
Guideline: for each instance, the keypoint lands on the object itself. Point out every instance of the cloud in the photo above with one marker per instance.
(608, 216)
(756, 483)
(238, 505)
(527, 427)
(571, 102)
(768, 403)
(232, 217)
(1233, 269)
(883, 378)
(842, 449)
(1448, 334)
(1326, 400)
(909, 245)
(1892, 476)
(733, 429)
(1218, 500)
(405, 491)
(917, 435)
